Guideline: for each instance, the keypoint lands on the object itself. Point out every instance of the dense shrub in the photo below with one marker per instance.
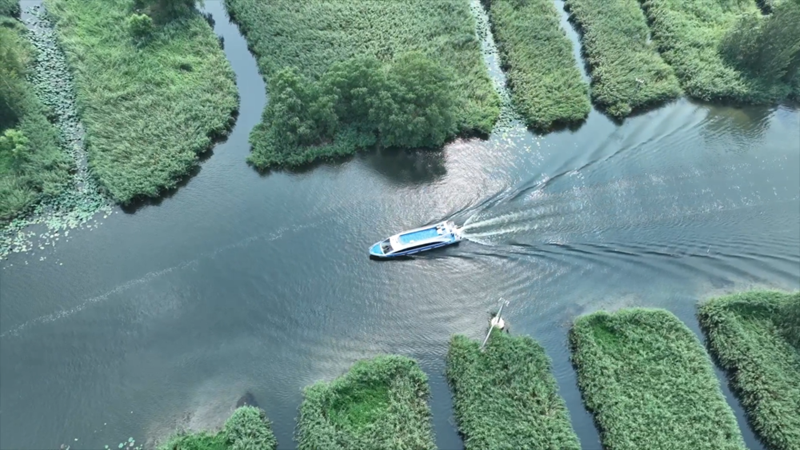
(627, 70)
(756, 338)
(545, 82)
(148, 110)
(356, 104)
(650, 384)
(506, 397)
(32, 165)
(767, 48)
(247, 429)
(380, 403)
(689, 37)
(313, 35)
(9, 8)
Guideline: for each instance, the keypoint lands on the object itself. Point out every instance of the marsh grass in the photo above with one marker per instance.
(627, 71)
(506, 397)
(543, 75)
(247, 429)
(9, 8)
(750, 334)
(33, 166)
(149, 106)
(649, 383)
(381, 403)
(689, 36)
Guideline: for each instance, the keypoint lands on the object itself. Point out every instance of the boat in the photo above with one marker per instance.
(417, 240)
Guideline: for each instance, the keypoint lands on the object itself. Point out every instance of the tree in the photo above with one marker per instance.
(14, 144)
(13, 63)
(766, 47)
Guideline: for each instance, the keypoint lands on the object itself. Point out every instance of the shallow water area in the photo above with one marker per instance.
(238, 282)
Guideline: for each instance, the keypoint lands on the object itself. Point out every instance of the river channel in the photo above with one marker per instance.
(238, 282)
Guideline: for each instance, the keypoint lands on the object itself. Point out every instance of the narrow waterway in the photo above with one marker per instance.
(241, 282)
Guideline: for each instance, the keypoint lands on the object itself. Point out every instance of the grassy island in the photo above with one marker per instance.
(381, 403)
(649, 383)
(546, 85)
(627, 70)
(756, 338)
(344, 75)
(153, 89)
(247, 429)
(32, 164)
(506, 397)
(711, 43)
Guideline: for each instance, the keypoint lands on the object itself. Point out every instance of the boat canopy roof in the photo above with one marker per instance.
(439, 232)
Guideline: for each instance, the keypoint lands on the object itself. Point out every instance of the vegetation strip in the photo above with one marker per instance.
(152, 91)
(380, 403)
(627, 70)
(716, 48)
(756, 338)
(505, 396)
(348, 74)
(649, 383)
(9, 8)
(545, 82)
(247, 429)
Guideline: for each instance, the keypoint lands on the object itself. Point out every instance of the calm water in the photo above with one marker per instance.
(238, 282)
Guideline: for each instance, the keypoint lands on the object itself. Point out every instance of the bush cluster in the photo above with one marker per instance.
(690, 35)
(505, 396)
(381, 403)
(148, 110)
(356, 104)
(756, 338)
(9, 8)
(32, 165)
(649, 383)
(313, 35)
(247, 429)
(627, 70)
(546, 85)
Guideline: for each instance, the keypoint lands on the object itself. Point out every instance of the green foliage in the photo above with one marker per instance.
(380, 403)
(756, 338)
(545, 82)
(9, 8)
(166, 10)
(32, 166)
(148, 110)
(649, 383)
(627, 70)
(768, 47)
(356, 104)
(689, 37)
(249, 429)
(141, 25)
(505, 396)
(313, 35)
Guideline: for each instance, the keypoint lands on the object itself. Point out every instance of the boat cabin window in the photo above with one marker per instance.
(386, 246)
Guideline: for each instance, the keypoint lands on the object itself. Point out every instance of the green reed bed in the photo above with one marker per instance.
(649, 383)
(505, 396)
(546, 85)
(9, 8)
(381, 403)
(152, 93)
(247, 429)
(756, 338)
(627, 70)
(690, 35)
(304, 41)
(32, 165)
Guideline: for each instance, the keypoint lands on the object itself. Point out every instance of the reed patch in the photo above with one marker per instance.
(546, 85)
(247, 429)
(756, 338)
(627, 71)
(505, 396)
(379, 403)
(649, 383)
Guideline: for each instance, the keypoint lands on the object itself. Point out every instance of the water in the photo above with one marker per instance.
(240, 282)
